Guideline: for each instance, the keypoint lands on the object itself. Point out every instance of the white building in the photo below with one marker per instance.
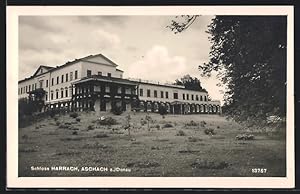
(95, 83)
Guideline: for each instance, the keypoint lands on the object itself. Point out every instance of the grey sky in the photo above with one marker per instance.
(142, 46)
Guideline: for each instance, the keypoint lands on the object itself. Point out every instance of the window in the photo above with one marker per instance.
(155, 93)
(167, 94)
(127, 90)
(51, 95)
(46, 97)
(41, 70)
(88, 73)
(71, 90)
(109, 74)
(183, 96)
(201, 99)
(161, 94)
(141, 92)
(99, 73)
(57, 80)
(41, 83)
(71, 76)
(97, 88)
(62, 78)
(62, 93)
(205, 98)
(32, 86)
(21, 90)
(107, 89)
(47, 83)
(26, 88)
(148, 93)
(197, 97)
(67, 77)
(175, 95)
(76, 74)
(52, 81)
(119, 91)
(187, 97)
(192, 96)
(66, 92)
(29, 88)
(56, 94)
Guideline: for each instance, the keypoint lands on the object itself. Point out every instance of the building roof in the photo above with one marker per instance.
(86, 58)
(105, 79)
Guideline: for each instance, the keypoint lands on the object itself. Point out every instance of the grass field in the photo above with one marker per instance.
(176, 145)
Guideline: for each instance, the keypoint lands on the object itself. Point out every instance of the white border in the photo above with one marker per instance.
(13, 181)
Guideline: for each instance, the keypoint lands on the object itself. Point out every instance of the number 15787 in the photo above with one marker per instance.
(259, 170)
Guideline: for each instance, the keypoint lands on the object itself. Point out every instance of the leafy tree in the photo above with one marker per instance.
(162, 111)
(190, 83)
(249, 54)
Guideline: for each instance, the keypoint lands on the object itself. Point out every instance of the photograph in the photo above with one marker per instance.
(184, 94)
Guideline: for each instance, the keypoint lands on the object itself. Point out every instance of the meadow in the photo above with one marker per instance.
(145, 144)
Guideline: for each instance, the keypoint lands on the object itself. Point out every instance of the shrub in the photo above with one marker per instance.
(75, 133)
(209, 131)
(90, 127)
(101, 135)
(64, 126)
(180, 133)
(194, 139)
(74, 128)
(244, 137)
(167, 125)
(202, 123)
(74, 115)
(143, 122)
(51, 113)
(78, 119)
(117, 110)
(108, 121)
(191, 123)
(162, 110)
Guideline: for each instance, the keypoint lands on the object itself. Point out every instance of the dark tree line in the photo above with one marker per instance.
(249, 54)
(190, 83)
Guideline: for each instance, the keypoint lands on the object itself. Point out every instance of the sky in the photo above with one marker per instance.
(142, 46)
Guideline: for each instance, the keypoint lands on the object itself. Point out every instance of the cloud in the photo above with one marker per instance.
(39, 46)
(158, 64)
(103, 20)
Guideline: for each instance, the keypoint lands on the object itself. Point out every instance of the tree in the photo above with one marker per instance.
(190, 83)
(249, 54)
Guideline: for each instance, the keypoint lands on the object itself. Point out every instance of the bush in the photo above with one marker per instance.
(90, 127)
(74, 115)
(162, 110)
(107, 121)
(180, 133)
(78, 119)
(143, 122)
(167, 125)
(209, 131)
(75, 133)
(117, 110)
(64, 126)
(194, 139)
(244, 137)
(202, 123)
(101, 135)
(191, 123)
